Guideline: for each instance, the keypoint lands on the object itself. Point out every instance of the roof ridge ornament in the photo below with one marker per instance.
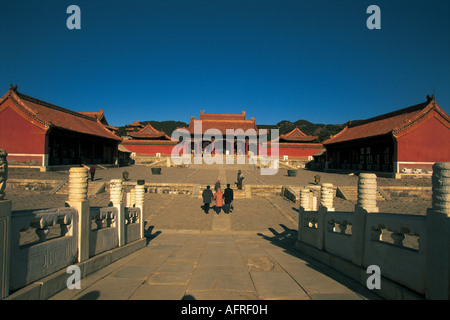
(13, 87)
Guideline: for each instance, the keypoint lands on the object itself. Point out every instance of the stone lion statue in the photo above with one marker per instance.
(3, 173)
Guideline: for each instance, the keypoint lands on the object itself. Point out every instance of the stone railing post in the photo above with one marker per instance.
(326, 196)
(116, 198)
(78, 188)
(5, 246)
(132, 197)
(5, 228)
(305, 199)
(139, 198)
(304, 206)
(367, 192)
(438, 235)
(367, 202)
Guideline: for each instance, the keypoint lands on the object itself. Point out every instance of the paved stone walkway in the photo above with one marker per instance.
(248, 255)
(220, 266)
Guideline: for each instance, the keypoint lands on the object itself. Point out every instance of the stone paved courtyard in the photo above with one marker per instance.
(248, 254)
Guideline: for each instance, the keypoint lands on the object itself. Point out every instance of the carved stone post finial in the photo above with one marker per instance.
(367, 192)
(116, 191)
(78, 184)
(326, 196)
(304, 199)
(441, 187)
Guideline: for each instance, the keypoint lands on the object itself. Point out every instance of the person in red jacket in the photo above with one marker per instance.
(92, 172)
(218, 197)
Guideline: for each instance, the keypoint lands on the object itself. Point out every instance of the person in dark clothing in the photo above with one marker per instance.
(207, 196)
(240, 177)
(217, 186)
(92, 172)
(228, 195)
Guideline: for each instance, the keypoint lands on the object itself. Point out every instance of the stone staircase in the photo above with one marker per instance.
(351, 193)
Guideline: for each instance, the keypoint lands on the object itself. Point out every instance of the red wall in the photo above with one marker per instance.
(429, 142)
(17, 135)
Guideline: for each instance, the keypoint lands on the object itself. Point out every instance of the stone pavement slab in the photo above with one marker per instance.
(277, 285)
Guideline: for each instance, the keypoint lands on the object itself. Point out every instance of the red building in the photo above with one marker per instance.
(294, 145)
(39, 134)
(149, 141)
(100, 116)
(408, 140)
(135, 126)
(221, 122)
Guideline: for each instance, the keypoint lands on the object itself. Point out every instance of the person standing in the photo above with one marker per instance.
(217, 186)
(207, 196)
(228, 196)
(92, 172)
(240, 177)
(218, 197)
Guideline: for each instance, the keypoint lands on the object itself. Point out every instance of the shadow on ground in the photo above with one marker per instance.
(148, 232)
(286, 240)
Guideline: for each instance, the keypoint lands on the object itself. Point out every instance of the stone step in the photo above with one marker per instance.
(351, 193)
(94, 188)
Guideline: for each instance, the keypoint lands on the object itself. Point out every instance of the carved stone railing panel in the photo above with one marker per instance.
(132, 224)
(36, 260)
(105, 236)
(393, 229)
(338, 235)
(339, 222)
(385, 246)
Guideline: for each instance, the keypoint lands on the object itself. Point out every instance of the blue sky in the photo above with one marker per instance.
(276, 60)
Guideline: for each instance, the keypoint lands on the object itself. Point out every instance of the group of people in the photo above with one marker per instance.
(221, 198)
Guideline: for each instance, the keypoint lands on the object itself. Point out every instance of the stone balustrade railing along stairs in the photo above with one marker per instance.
(411, 251)
(89, 238)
